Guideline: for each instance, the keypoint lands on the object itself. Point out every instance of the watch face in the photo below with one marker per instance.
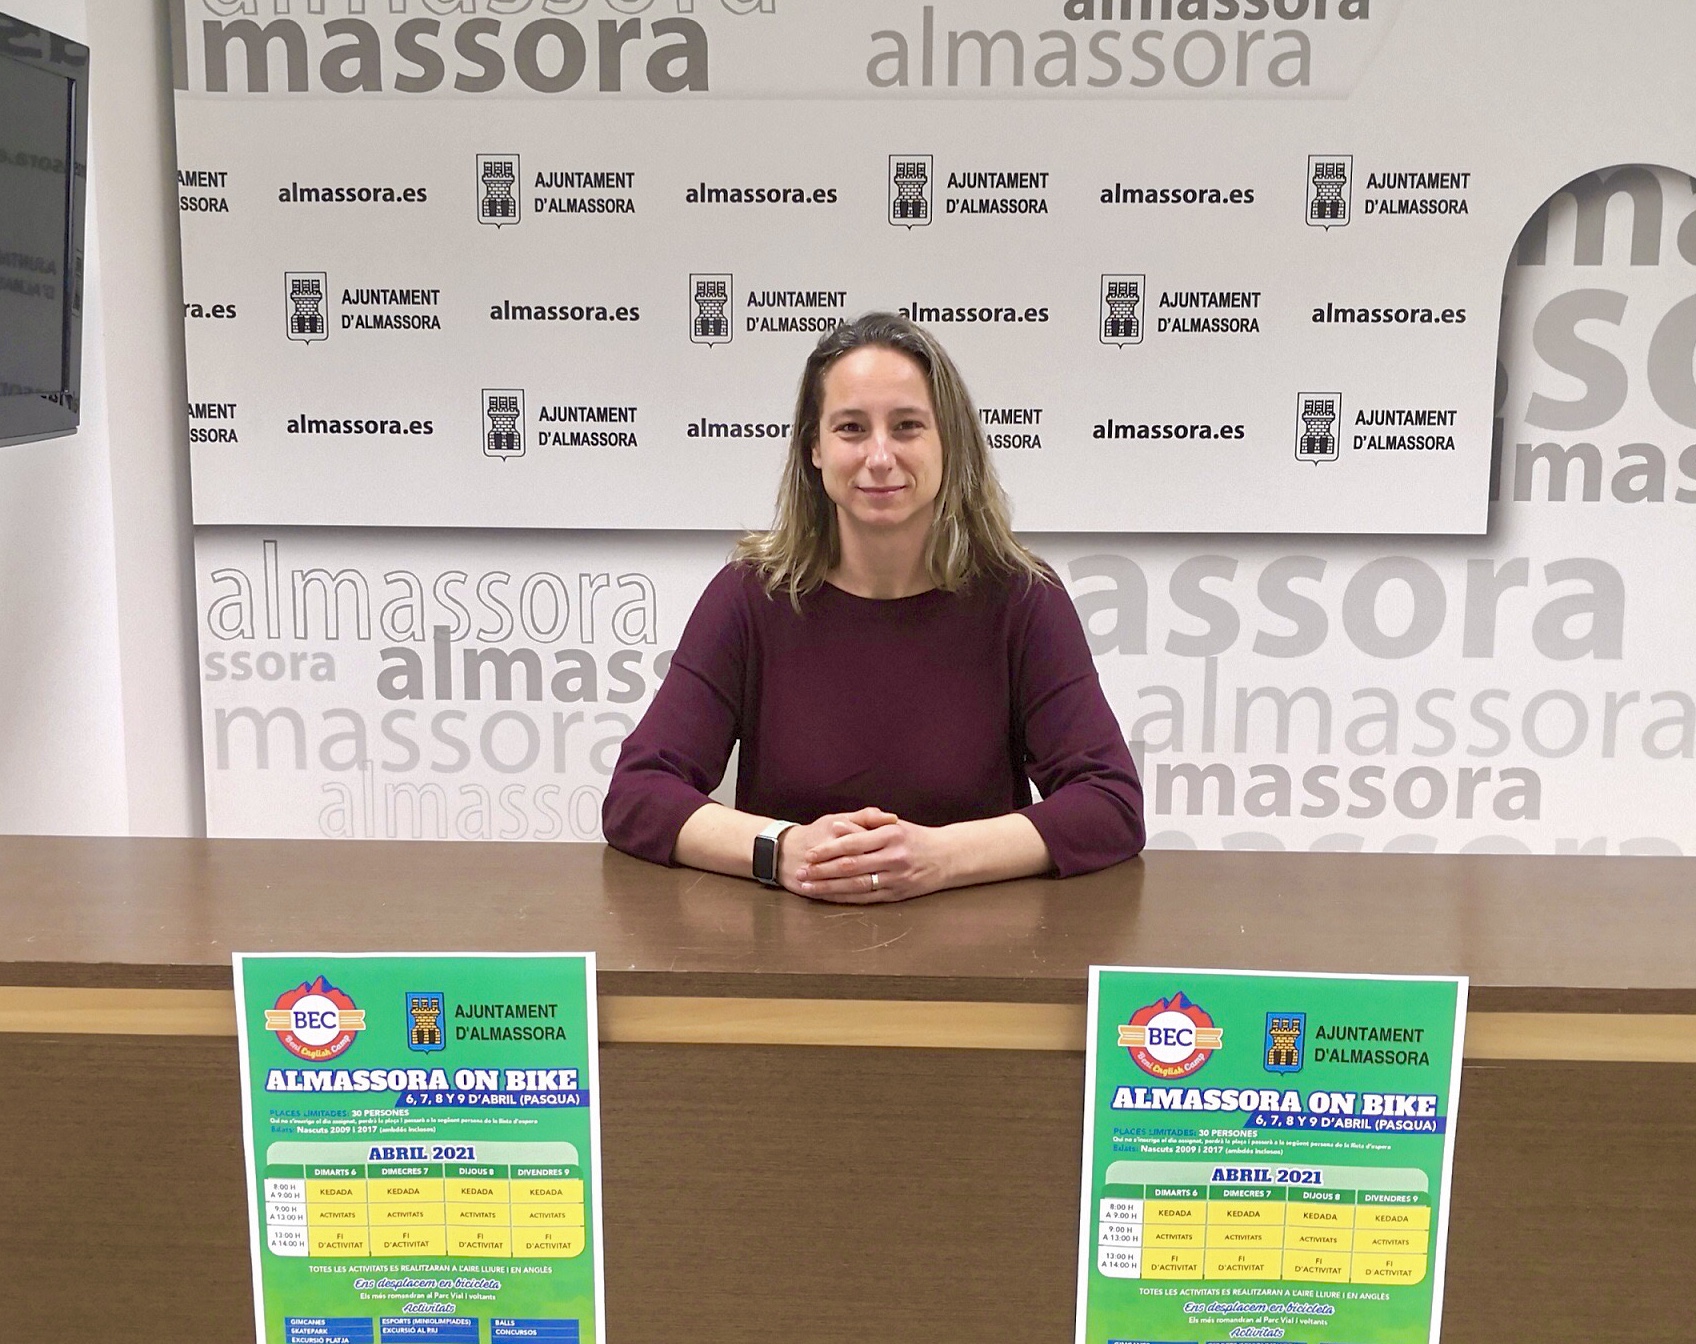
(765, 859)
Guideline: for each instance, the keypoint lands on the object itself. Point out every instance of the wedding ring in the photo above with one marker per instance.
(874, 881)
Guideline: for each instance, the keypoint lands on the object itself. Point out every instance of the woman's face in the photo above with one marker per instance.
(878, 447)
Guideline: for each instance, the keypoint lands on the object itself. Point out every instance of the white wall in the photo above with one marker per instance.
(135, 157)
(98, 719)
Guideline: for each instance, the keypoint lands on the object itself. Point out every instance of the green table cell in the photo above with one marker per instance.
(479, 1169)
(1115, 1191)
(1268, 1194)
(405, 1170)
(340, 1172)
(1404, 1197)
(1175, 1191)
(546, 1173)
(1301, 1195)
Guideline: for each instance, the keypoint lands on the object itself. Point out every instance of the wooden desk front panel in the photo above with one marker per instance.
(779, 1194)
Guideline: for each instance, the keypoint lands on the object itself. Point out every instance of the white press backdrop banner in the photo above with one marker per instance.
(1528, 691)
(393, 646)
(1211, 265)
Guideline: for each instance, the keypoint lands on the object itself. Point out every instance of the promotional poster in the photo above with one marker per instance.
(1267, 1156)
(423, 1147)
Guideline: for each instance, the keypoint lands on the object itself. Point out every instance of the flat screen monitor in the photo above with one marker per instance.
(43, 176)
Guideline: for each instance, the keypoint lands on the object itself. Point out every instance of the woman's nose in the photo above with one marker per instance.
(878, 453)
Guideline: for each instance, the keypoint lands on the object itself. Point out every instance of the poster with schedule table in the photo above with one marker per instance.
(1267, 1156)
(423, 1147)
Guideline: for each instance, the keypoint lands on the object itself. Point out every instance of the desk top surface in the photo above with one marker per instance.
(1533, 933)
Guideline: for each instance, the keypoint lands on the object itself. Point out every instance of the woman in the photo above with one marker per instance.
(895, 665)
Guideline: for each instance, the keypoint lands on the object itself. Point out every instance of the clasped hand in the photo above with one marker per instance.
(835, 858)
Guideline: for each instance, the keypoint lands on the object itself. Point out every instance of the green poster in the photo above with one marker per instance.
(1267, 1156)
(423, 1148)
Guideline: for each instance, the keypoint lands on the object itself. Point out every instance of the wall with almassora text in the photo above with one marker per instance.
(1379, 545)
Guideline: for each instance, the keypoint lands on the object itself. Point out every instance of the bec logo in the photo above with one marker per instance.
(315, 1021)
(1170, 1038)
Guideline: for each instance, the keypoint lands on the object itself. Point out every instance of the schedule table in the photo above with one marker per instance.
(1174, 1220)
(353, 1199)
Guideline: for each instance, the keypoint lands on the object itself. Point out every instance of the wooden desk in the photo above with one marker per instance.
(831, 1123)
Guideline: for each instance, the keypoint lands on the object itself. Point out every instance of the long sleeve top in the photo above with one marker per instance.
(942, 707)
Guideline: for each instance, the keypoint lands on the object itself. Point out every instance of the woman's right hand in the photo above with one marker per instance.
(798, 840)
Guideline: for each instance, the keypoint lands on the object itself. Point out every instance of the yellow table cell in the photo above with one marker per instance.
(336, 1215)
(407, 1215)
(1318, 1239)
(1316, 1266)
(1225, 1237)
(1388, 1269)
(473, 1190)
(541, 1192)
(550, 1215)
(1328, 1214)
(409, 1241)
(479, 1241)
(1404, 1216)
(479, 1215)
(1189, 1212)
(1171, 1264)
(559, 1242)
(338, 1241)
(1261, 1264)
(1174, 1236)
(1410, 1242)
(1262, 1213)
(395, 1190)
(1319, 1215)
(335, 1192)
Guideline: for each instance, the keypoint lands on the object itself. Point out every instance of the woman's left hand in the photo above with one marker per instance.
(890, 860)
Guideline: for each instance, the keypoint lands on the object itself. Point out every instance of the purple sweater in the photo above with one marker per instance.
(941, 708)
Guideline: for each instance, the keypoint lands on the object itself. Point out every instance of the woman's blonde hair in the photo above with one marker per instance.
(971, 533)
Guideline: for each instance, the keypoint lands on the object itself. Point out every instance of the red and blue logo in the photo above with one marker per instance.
(315, 1021)
(1170, 1038)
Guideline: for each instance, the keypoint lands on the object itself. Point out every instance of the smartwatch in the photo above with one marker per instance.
(765, 853)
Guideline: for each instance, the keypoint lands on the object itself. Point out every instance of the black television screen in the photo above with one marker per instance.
(43, 174)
